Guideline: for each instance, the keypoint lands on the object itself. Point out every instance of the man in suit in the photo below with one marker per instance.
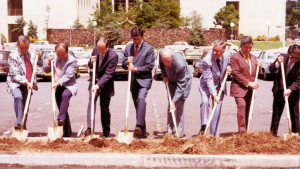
(141, 66)
(106, 62)
(21, 64)
(243, 65)
(64, 69)
(291, 63)
(214, 68)
(176, 73)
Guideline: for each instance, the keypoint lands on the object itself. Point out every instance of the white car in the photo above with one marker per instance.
(42, 45)
(77, 49)
(122, 46)
(82, 60)
(267, 57)
(182, 46)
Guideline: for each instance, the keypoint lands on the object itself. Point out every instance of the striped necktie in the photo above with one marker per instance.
(58, 71)
(28, 68)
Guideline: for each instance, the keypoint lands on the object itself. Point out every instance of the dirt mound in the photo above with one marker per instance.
(99, 142)
(138, 144)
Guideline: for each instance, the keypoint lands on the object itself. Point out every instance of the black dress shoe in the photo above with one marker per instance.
(137, 131)
(17, 127)
(87, 132)
(201, 132)
(60, 123)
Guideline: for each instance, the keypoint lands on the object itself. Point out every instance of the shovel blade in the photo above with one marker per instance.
(55, 134)
(21, 136)
(125, 138)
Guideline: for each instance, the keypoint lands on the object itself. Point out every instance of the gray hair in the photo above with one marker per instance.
(23, 39)
(219, 43)
(246, 39)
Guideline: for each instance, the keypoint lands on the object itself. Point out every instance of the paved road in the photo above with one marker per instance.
(40, 113)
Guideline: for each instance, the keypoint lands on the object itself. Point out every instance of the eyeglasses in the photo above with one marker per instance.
(292, 57)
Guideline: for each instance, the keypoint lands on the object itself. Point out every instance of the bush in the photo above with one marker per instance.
(277, 38)
(260, 38)
(32, 40)
(240, 36)
(271, 39)
(251, 37)
(3, 38)
(113, 34)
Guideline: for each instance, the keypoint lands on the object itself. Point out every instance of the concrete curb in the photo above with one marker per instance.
(151, 160)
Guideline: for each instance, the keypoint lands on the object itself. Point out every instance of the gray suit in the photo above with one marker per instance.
(180, 82)
(210, 83)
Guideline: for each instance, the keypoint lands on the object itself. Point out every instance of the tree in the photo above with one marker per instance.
(113, 34)
(225, 16)
(3, 38)
(77, 24)
(32, 30)
(47, 18)
(186, 21)
(197, 37)
(161, 24)
(104, 16)
(293, 19)
(126, 19)
(18, 28)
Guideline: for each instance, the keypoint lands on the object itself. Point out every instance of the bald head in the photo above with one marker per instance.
(102, 45)
(166, 56)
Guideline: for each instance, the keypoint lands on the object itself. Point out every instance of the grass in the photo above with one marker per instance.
(262, 45)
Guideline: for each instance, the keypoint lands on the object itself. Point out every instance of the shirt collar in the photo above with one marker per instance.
(244, 54)
(139, 44)
(20, 54)
(104, 54)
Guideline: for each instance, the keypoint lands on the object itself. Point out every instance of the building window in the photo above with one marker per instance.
(15, 7)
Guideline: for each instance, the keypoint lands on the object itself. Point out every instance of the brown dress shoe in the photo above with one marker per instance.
(137, 131)
(60, 123)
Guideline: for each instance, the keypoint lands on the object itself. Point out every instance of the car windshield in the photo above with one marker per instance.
(120, 55)
(82, 55)
(191, 51)
(273, 55)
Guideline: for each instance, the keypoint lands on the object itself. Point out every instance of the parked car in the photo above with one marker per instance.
(156, 71)
(4, 69)
(267, 57)
(232, 46)
(119, 70)
(122, 46)
(182, 46)
(82, 60)
(42, 45)
(77, 49)
(192, 54)
(255, 52)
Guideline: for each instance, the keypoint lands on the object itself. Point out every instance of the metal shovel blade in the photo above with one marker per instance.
(125, 137)
(20, 135)
(54, 134)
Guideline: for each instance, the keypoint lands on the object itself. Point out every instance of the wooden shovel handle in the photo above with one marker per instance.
(93, 99)
(53, 96)
(127, 99)
(172, 112)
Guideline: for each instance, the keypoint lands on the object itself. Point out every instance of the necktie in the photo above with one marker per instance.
(58, 71)
(247, 59)
(136, 50)
(219, 65)
(100, 60)
(28, 68)
(288, 68)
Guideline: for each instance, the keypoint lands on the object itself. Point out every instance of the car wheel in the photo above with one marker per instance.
(266, 76)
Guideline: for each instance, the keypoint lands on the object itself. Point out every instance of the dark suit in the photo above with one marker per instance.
(105, 81)
(241, 77)
(141, 80)
(292, 83)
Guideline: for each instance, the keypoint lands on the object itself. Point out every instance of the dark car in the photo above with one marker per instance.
(4, 62)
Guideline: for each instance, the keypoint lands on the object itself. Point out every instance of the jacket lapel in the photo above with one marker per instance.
(215, 65)
(243, 62)
(22, 63)
(141, 50)
(253, 70)
(104, 61)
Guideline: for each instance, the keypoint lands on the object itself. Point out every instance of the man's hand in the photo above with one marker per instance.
(253, 85)
(51, 56)
(216, 99)
(166, 80)
(131, 67)
(229, 70)
(94, 89)
(280, 59)
(29, 86)
(172, 107)
(94, 59)
(39, 53)
(129, 59)
(287, 93)
(54, 85)
(259, 64)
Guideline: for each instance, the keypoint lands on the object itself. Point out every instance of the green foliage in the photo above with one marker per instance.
(47, 18)
(260, 38)
(126, 19)
(225, 16)
(32, 30)
(197, 37)
(103, 17)
(161, 24)
(277, 38)
(3, 38)
(293, 19)
(186, 21)
(77, 24)
(251, 37)
(112, 32)
(167, 11)
(240, 36)
(18, 28)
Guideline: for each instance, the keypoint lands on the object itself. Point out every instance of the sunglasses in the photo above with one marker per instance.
(292, 57)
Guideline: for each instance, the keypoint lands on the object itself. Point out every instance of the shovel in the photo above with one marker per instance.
(22, 134)
(54, 132)
(252, 101)
(126, 137)
(285, 136)
(215, 104)
(172, 112)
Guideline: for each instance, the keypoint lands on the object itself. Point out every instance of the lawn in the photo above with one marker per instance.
(262, 45)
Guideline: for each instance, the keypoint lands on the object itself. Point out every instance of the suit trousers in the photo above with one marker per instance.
(105, 113)
(63, 96)
(278, 106)
(243, 108)
(139, 95)
(204, 108)
(179, 114)
(20, 95)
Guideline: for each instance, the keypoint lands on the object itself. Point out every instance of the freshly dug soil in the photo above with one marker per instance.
(252, 143)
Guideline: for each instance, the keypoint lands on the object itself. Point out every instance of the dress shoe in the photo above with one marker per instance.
(87, 132)
(201, 132)
(60, 123)
(17, 127)
(137, 131)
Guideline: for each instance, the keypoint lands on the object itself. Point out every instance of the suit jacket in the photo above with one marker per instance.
(105, 74)
(68, 71)
(180, 76)
(144, 62)
(241, 75)
(212, 77)
(17, 70)
(292, 78)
